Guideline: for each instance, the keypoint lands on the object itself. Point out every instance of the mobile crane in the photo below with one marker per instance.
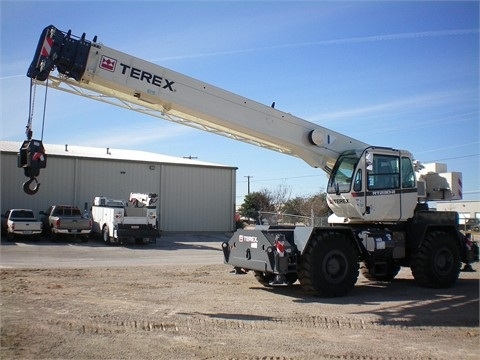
(378, 195)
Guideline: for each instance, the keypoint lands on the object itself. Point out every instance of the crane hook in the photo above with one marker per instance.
(26, 186)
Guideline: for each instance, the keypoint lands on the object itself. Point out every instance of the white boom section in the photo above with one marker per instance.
(120, 79)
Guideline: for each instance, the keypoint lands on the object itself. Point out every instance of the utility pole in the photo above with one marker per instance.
(248, 181)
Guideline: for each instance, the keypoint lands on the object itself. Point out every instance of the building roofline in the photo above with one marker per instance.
(75, 151)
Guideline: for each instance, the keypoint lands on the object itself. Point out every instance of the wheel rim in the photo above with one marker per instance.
(335, 266)
(443, 261)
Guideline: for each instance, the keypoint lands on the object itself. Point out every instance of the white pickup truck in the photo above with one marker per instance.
(21, 222)
(116, 222)
(65, 220)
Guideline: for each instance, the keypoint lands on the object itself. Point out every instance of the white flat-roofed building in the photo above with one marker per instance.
(467, 209)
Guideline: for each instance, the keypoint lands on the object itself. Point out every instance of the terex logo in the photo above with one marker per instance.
(108, 63)
(252, 239)
(337, 201)
(146, 76)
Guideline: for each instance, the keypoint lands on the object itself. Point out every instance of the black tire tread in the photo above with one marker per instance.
(309, 272)
(422, 267)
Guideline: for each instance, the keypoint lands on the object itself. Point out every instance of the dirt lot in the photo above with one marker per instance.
(176, 300)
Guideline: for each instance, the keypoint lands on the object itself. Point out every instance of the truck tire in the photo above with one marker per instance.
(10, 236)
(329, 265)
(436, 264)
(53, 236)
(106, 235)
(392, 271)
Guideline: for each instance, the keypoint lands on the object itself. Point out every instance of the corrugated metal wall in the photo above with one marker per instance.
(192, 198)
(56, 184)
(114, 179)
(197, 199)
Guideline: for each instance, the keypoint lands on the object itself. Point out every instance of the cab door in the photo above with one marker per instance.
(382, 186)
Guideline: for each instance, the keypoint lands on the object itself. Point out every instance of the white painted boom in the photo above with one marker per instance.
(102, 73)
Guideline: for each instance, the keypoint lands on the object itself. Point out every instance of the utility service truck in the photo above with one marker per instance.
(378, 195)
(116, 222)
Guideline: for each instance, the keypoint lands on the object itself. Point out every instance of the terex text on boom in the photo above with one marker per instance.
(146, 76)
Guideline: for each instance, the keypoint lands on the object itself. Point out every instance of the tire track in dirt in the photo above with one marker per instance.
(196, 322)
(208, 323)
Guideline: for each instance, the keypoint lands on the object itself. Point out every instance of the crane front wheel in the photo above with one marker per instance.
(329, 265)
(436, 263)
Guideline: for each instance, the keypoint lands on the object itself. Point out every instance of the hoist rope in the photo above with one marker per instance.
(33, 89)
(28, 130)
(44, 108)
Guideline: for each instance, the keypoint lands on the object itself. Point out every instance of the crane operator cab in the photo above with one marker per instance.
(374, 184)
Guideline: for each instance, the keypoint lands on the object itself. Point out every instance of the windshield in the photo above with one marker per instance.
(342, 174)
(66, 211)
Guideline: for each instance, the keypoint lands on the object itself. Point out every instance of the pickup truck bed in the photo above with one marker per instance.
(20, 222)
(66, 220)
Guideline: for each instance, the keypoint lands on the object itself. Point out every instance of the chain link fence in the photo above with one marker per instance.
(273, 218)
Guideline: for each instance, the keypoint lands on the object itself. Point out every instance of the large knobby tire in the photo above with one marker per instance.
(392, 271)
(329, 265)
(436, 264)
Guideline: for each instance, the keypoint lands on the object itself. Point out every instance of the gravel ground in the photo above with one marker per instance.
(176, 300)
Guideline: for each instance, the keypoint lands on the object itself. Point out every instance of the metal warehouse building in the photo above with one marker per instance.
(194, 196)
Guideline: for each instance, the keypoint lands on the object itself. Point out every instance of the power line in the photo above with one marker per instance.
(452, 158)
(285, 178)
(309, 176)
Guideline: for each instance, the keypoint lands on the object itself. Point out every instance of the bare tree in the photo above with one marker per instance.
(280, 196)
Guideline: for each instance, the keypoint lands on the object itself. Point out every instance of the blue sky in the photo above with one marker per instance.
(398, 74)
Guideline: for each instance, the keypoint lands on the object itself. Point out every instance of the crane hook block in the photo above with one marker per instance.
(32, 158)
(26, 186)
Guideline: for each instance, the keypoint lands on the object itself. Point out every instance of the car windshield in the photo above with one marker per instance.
(342, 174)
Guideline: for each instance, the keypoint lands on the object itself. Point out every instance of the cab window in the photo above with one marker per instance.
(342, 174)
(408, 175)
(385, 173)
(357, 184)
